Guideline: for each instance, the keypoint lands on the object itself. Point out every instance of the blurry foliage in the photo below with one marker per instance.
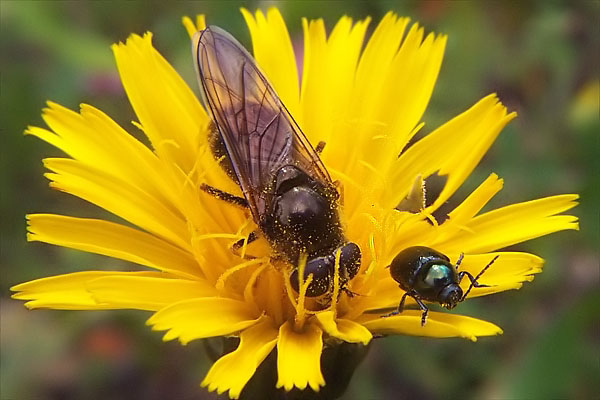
(541, 57)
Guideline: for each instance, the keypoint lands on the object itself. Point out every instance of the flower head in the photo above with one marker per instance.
(366, 105)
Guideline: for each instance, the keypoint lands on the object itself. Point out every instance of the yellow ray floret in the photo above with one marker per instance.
(158, 94)
(438, 325)
(203, 317)
(232, 371)
(299, 357)
(113, 240)
(100, 290)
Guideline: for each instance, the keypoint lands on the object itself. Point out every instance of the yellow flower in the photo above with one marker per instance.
(366, 104)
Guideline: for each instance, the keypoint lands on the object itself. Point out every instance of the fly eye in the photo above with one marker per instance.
(350, 258)
(320, 268)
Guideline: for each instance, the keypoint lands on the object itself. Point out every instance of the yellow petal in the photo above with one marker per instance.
(510, 267)
(339, 68)
(344, 329)
(118, 197)
(273, 51)
(95, 139)
(410, 82)
(439, 325)
(376, 62)
(514, 224)
(68, 291)
(313, 118)
(170, 114)
(299, 357)
(192, 27)
(454, 149)
(202, 318)
(146, 292)
(402, 80)
(113, 240)
(374, 69)
(475, 201)
(329, 66)
(232, 371)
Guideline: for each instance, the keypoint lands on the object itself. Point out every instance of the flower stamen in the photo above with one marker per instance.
(373, 254)
(340, 175)
(289, 290)
(336, 284)
(195, 169)
(246, 238)
(375, 171)
(168, 142)
(301, 311)
(248, 290)
(220, 285)
(430, 217)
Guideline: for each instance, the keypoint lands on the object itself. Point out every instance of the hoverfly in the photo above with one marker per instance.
(289, 192)
(426, 274)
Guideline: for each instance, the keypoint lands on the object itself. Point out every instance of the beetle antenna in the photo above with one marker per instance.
(460, 258)
(474, 282)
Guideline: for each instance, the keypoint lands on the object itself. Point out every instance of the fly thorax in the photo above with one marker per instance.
(305, 216)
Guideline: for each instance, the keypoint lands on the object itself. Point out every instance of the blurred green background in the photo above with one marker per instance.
(541, 57)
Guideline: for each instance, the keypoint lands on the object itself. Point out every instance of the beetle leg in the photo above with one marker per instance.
(401, 305)
(221, 195)
(402, 300)
(424, 308)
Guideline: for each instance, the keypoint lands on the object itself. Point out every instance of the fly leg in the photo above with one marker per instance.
(348, 292)
(221, 195)
(240, 243)
(236, 247)
(236, 201)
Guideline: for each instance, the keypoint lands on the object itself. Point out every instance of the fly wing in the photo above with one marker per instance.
(259, 133)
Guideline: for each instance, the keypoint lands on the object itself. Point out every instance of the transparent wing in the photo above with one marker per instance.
(259, 133)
